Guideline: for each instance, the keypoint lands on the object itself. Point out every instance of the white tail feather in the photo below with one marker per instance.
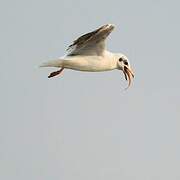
(53, 63)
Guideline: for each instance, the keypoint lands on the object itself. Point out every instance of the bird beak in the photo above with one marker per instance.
(128, 73)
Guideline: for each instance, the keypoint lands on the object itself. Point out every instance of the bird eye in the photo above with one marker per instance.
(120, 59)
(126, 63)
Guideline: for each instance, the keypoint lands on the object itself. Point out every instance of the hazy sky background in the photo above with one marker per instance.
(83, 126)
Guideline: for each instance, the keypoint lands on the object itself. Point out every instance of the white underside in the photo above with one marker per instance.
(85, 63)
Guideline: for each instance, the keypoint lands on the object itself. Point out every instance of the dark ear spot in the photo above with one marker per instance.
(120, 59)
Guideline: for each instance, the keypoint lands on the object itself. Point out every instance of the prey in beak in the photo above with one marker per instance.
(128, 73)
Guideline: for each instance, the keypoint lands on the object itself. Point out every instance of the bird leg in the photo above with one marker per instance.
(55, 73)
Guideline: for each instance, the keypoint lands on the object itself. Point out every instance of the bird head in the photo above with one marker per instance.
(124, 65)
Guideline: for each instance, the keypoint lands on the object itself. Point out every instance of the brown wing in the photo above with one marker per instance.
(92, 43)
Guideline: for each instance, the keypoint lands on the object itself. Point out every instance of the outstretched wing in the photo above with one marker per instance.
(92, 43)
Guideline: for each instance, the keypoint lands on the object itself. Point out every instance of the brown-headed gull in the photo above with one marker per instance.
(88, 53)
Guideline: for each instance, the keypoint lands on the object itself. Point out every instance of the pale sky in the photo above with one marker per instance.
(84, 126)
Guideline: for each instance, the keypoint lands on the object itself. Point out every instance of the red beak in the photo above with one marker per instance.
(128, 73)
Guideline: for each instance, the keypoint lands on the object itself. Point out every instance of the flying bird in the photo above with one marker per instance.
(88, 53)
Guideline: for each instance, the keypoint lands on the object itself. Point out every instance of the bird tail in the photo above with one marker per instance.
(53, 63)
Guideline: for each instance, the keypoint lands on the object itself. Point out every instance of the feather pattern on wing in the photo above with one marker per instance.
(92, 43)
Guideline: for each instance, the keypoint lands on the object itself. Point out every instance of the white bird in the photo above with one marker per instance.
(88, 53)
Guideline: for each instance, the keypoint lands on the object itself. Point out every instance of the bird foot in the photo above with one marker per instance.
(55, 73)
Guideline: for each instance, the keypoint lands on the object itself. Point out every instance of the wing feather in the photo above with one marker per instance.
(92, 43)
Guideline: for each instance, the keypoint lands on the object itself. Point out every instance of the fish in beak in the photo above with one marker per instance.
(128, 73)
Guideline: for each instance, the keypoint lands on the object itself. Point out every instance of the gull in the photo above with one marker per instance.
(88, 53)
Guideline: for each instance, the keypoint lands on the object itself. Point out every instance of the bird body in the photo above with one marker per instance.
(88, 53)
(107, 62)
